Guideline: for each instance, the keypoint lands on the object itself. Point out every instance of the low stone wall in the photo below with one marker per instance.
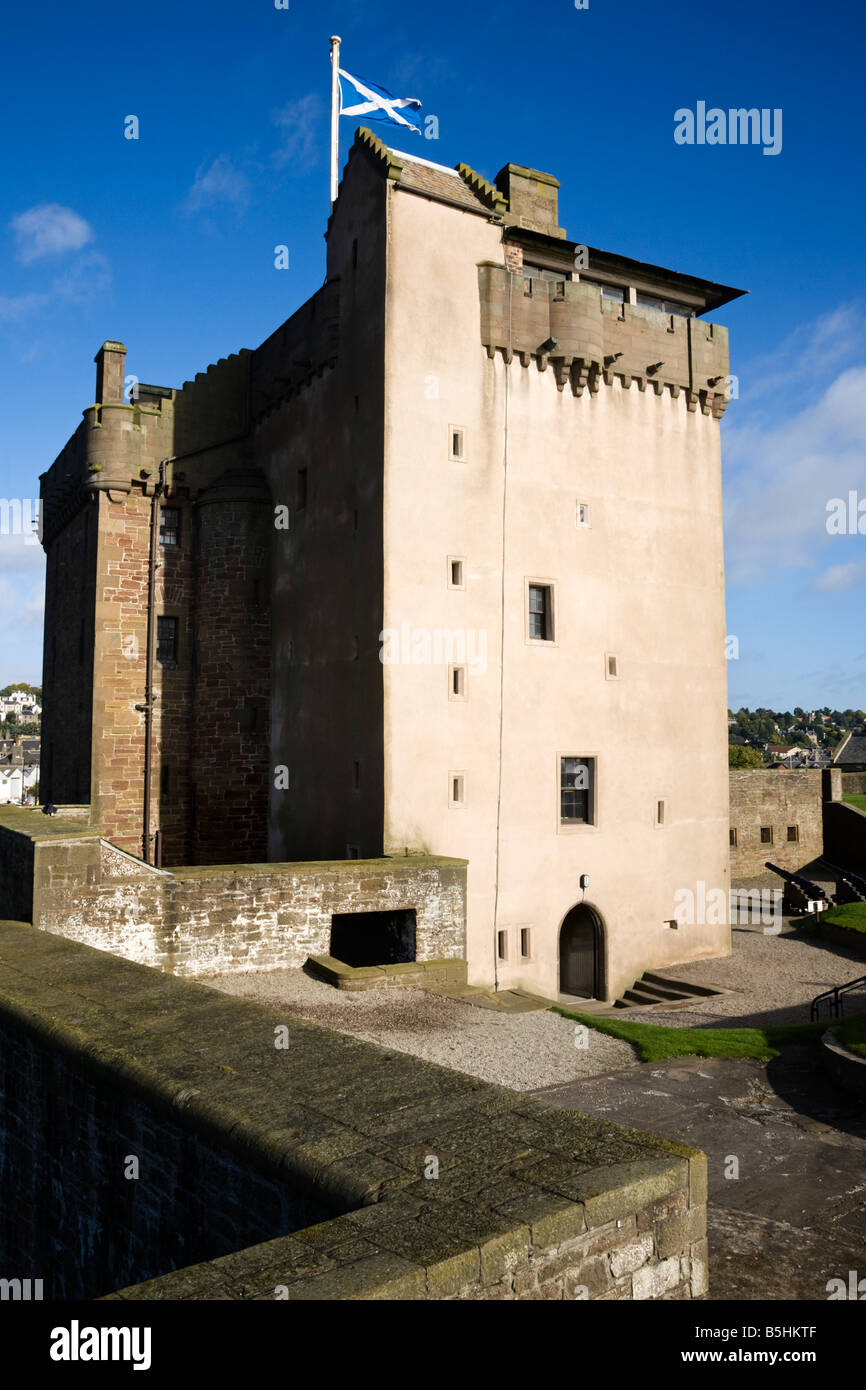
(854, 783)
(441, 1186)
(776, 800)
(231, 917)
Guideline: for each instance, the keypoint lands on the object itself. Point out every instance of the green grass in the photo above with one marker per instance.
(856, 800)
(656, 1044)
(852, 1032)
(851, 916)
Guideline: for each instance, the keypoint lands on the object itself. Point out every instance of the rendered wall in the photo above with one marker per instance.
(645, 583)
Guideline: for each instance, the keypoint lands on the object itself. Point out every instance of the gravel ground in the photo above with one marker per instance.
(524, 1051)
(774, 979)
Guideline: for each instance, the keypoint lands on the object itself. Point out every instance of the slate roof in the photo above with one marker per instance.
(424, 177)
(854, 750)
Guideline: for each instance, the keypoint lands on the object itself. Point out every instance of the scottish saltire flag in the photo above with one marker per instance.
(378, 100)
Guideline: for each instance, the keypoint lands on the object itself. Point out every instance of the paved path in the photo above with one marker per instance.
(796, 1215)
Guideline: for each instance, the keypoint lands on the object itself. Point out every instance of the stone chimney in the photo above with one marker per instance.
(533, 199)
(110, 365)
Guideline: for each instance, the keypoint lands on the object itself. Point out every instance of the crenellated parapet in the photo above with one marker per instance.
(301, 349)
(588, 340)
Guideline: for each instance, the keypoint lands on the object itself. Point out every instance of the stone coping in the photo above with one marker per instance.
(445, 969)
(347, 1121)
(848, 1067)
(28, 821)
(34, 825)
(338, 866)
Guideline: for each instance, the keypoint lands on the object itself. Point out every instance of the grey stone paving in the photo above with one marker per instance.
(795, 1216)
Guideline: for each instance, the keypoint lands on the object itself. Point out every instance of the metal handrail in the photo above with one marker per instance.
(834, 998)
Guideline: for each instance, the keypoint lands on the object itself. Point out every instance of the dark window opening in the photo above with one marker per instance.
(169, 526)
(524, 942)
(540, 612)
(502, 945)
(766, 834)
(576, 778)
(166, 639)
(732, 837)
(373, 938)
(793, 832)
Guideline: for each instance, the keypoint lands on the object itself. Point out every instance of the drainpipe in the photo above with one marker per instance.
(149, 697)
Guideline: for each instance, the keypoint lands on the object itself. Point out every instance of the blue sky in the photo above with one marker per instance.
(167, 241)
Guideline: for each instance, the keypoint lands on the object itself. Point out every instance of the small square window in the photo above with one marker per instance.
(540, 612)
(581, 515)
(525, 943)
(661, 812)
(456, 444)
(793, 832)
(766, 834)
(576, 790)
(732, 838)
(456, 789)
(169, 526)
(455, 573)
(611, 667)
(457, 682)
(502, 945)
(166, 640)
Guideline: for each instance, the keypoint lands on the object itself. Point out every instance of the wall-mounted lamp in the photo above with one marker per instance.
(584, 880)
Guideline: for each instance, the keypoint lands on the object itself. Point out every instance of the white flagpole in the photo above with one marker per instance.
(335, 115)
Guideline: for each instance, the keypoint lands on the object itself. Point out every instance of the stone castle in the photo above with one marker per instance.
(436, 570)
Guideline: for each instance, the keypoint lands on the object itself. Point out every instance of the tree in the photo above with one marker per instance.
(744, 758)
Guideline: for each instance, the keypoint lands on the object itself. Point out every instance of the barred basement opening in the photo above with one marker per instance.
(373, 938)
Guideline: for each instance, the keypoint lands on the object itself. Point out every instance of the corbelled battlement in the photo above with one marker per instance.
(588, 340)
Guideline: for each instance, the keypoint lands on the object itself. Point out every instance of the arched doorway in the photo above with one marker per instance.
(581, 953)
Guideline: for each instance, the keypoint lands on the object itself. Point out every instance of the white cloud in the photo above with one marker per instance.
(781, 474)
(305, 132)
(18, 306)
(218, 182)
(88, 278)
(48, 230)
(838, 578)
